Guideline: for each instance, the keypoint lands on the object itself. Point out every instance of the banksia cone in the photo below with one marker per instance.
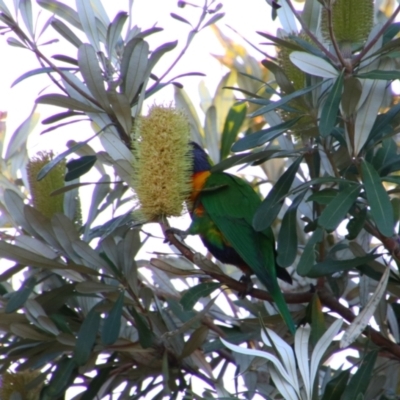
(351, 20)
(16, 383)
(162, 162)
(41, 190)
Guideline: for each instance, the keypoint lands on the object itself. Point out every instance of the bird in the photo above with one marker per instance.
(222, 207)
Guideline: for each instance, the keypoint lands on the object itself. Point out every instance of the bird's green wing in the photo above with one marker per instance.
(231, 206)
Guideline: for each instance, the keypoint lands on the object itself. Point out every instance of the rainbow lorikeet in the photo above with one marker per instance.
(222, 211)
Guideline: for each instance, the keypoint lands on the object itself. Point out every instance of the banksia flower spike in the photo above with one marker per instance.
(16, 383)
(41, 190)
(162, 162)
(351, 20)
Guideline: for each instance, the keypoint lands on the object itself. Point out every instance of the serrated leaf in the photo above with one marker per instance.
(287, 237)
(337, 209)
(331, 106)
(336, 386)
(87, 335)
(78, 167)
(363, 318)
(313, 65)
(378, 199)
(362, 378)
(271, 205)
(112, 323)
(88, 21)
(18, 298)
(192, 296)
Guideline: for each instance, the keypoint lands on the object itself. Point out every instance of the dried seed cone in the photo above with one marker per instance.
(16, 383)
(352, 20)
(162, 162)
(41, 190)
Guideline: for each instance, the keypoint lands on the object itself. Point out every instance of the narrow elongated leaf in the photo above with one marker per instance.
(215, 18)
(37, 71)
(380, 74)
(313, 65)
(145, 334)
(363, 318)
(307, 259)
(92, 74)
(63, 11)
(330, 266)
(361, 379)
(114, 31)
(88, 21)
(330, 109)
(133, 66)
(195, 341)
(122, 109)
(337, 209)
(301, 349)
(287, 237)
(192, 296)
(378, 199)
(317, 320)
(271, 205)
(60, 100)
(233, 123)
(336, 386)
(18, 298)
(92, 391)
(78, 167)
(66, 32)
(86, 337)
(112, 323)
(25, 8)
(284, 100)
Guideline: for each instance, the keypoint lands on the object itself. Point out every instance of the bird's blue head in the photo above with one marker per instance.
(201, 161)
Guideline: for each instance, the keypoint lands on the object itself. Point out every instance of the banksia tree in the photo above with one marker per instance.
(162, 164)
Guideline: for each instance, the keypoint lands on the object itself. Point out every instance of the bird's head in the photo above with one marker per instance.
(201, 161)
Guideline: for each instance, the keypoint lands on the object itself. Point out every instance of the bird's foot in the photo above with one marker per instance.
(249, 286)
(182, 234)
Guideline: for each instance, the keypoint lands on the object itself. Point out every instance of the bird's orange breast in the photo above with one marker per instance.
(198, 181)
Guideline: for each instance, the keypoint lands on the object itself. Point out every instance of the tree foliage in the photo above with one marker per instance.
(319, 123)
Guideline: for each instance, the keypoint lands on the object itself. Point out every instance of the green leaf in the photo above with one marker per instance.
(284, 100)
(265, 135)
(380, 74)
(233, 123)
(335, 212)
(63, 11)
(92, 391)
(195, 341)
(79, 167)
(122, 109)
(330, 266)
(88, 21)
(134, 66)
(336, 386)
(191, 297)
(318, 327)
(361, 379)
(324, 196)
(112, 324)
(307, 259)
(37, 71)
(145, 334)
(351, 95)
(355, 224)
(92, 74)
(60, 379)
(18, 298)
(378, 199)
(313, 65)
(25, 8)
(271, 205)
(287, 237)
(86, 337)
(331, 106)
(66, 32)
(60, 100)
(114, 31)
